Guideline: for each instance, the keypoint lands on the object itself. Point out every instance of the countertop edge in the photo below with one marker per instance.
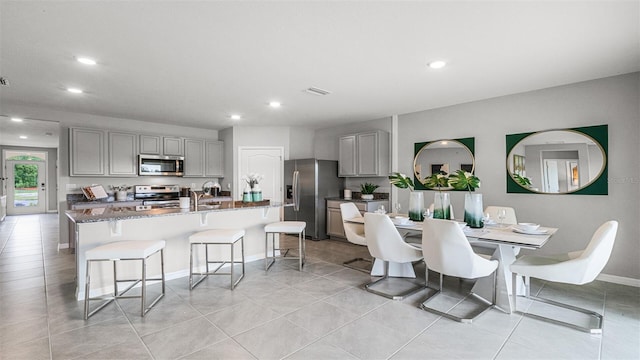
(108, 214)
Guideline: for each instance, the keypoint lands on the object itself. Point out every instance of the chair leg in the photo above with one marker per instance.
(597, 329)
(478, 312)
(385, 277)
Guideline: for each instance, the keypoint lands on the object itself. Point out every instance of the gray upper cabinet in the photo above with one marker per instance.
(172, 146)
(194, 159)
(214, 158)
(150, 144)
(203, 158)
(123, 154)
(87, 149)
(161, 145)
(364, 154)
(347, 158)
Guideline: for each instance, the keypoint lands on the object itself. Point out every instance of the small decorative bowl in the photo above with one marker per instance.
(528, 226)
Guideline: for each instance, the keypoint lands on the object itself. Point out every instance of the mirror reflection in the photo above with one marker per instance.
(556, 161)
(443, 157)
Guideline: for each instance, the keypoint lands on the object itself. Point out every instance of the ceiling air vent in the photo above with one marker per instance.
(317, 91)
(4, 81)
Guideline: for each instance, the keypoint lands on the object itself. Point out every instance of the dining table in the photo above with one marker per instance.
(502, 241)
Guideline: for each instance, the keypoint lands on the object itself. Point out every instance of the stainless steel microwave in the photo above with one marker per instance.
(160, 165)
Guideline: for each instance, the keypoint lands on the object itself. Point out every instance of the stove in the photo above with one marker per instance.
(158, 195)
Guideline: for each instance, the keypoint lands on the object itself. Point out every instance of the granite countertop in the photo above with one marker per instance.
(130, 212)
(353, 199)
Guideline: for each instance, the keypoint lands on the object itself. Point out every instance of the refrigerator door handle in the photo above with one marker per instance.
(296, 190)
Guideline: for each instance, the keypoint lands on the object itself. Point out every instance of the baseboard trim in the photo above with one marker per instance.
(619, 280)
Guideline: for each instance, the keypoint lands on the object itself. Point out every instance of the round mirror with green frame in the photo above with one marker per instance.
(558, 161)
(444, 156)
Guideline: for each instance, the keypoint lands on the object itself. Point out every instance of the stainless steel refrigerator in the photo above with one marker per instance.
(307, 183)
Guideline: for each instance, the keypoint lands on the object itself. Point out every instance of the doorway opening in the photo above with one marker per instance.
(25, 181)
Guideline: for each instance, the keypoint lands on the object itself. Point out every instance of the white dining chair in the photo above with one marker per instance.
(354, 233)
(446, 250)
(577, 268)
(386, 244)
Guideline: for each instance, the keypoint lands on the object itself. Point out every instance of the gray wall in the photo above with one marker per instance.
(612, 101)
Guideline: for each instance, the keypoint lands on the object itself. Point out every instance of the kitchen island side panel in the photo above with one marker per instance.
(175, 230)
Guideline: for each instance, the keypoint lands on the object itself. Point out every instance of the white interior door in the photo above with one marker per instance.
(26, 188)
(267, 161)
(551, 180)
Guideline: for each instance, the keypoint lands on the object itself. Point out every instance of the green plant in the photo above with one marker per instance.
(368, 188)
(462, 180)
(522, 180)
(437, 181)
(401, 181)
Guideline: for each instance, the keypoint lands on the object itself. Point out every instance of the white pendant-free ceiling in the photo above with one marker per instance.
(197, 63)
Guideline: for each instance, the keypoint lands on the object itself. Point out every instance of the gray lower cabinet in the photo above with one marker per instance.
(334, 217)
(87, 152)
(123, 154)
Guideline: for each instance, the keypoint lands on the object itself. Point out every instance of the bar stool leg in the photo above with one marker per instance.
(87, 287)
(115, 279)
(232, 265)
(191, 266)
(242, 247)
(300, 251)
(162, 269)
(144, 287)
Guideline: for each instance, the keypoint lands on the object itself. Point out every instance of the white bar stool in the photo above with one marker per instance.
(284, 227)
(122, 251)
(216, 237)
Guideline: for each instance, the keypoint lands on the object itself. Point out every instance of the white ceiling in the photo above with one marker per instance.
(195, 63)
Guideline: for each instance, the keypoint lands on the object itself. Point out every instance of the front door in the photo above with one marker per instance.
(25, 187)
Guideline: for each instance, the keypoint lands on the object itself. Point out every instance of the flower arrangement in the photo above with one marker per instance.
(462, 180)
(119, 187)
(253, 179)
(368, 188)
(401, 181)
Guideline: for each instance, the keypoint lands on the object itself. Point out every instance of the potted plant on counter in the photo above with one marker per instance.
(367, 190)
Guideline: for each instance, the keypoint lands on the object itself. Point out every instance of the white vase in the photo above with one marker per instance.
(416, 206)
(441, 206)
(366, 196)
(256, 193)
(473, 215)
(121, 195)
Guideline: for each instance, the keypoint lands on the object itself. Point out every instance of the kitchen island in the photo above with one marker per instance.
(98, 226)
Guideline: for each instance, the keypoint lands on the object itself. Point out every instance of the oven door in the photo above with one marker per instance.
(160, 165)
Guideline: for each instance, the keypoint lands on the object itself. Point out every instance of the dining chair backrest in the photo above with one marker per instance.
(384, 240)
(510, 217)
(598, 251)
(431, 207)
(353, 231)
(446, 249)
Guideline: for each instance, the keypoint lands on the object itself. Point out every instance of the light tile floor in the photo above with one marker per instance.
(321, 313)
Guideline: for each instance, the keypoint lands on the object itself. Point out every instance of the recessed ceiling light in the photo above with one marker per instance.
(438, 64)
(86, 60)
(236, 117)
(275, 104)
(75, 90)
(16, 119)
(22, 137)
